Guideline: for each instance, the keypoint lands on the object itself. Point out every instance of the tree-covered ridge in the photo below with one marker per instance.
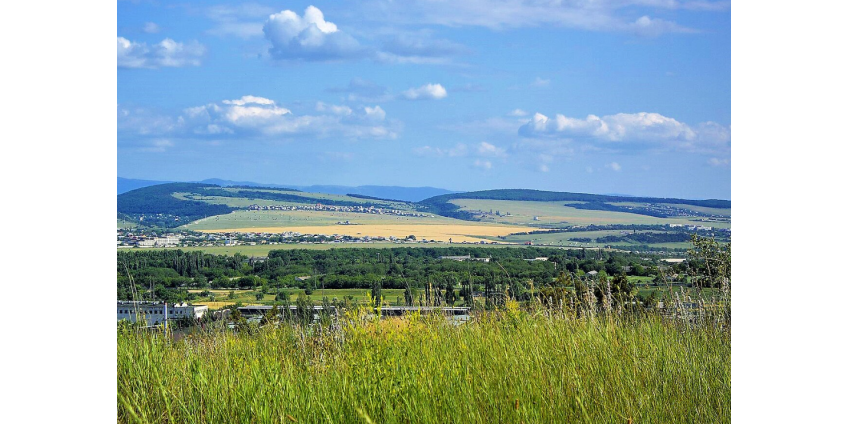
(442, 205)
(156, 205)
(556, 196)
(274, 195)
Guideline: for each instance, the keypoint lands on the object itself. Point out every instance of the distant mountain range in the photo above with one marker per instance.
(410, 194)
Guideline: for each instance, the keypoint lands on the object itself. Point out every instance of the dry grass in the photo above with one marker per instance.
(441, 232)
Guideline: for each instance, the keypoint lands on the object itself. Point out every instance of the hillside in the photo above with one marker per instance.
(650, 206)
(156, 205)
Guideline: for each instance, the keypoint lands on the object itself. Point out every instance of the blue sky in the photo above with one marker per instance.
(618, 96)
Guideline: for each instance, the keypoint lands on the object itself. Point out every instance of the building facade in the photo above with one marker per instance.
(154, 313)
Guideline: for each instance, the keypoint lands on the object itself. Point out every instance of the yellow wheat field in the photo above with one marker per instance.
(439, 232)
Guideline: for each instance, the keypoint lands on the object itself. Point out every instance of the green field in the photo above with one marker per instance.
(508, 367)
(558, 214)
(245, 219)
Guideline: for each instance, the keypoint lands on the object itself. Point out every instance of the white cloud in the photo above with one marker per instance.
(150, 28)
(426, 92)
(336, 110)
(614, 166)
(459, 150)
(248, 100)
(487, 149)
(375, 112)
(252, 116)
(167, 53)
(624, 128)
(719, 162)
(517, 112)
(309, 37)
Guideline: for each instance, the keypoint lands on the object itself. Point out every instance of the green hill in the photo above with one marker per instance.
(650, 206)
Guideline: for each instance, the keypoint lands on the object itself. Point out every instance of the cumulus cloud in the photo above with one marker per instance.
(614, 166)
(309, 37)
(623, 128)
(258, 116)
(719, 162)
(426, 92)
(253, 117)
(167, 53)
(377, 113)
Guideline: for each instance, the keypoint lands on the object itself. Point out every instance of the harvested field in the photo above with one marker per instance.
(440, 232)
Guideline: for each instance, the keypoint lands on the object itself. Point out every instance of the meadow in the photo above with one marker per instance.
(324, 222)
(511, 366)
(558, 214)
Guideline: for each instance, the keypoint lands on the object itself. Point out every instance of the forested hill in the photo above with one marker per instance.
(155, 205)
(441, 204)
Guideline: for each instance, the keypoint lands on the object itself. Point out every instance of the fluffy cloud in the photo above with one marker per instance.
(309, 37)
(312, 38)
(259, 118)
(614, 166)
(426, 92)
(377, 113)
(623, 128)
(167, 53)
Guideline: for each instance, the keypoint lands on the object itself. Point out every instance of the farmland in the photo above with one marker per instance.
(493, 216)
(321, 222)
(559, 214)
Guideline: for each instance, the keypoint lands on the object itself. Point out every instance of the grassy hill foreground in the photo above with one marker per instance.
(507, 367)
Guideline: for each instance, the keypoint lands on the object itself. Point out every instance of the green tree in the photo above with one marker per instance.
(377, 292)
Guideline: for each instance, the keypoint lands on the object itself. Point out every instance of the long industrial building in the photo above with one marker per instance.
(154, 313)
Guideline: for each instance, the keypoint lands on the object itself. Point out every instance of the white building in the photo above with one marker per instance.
(154, 312)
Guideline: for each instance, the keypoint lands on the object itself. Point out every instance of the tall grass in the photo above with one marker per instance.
(505, 367)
